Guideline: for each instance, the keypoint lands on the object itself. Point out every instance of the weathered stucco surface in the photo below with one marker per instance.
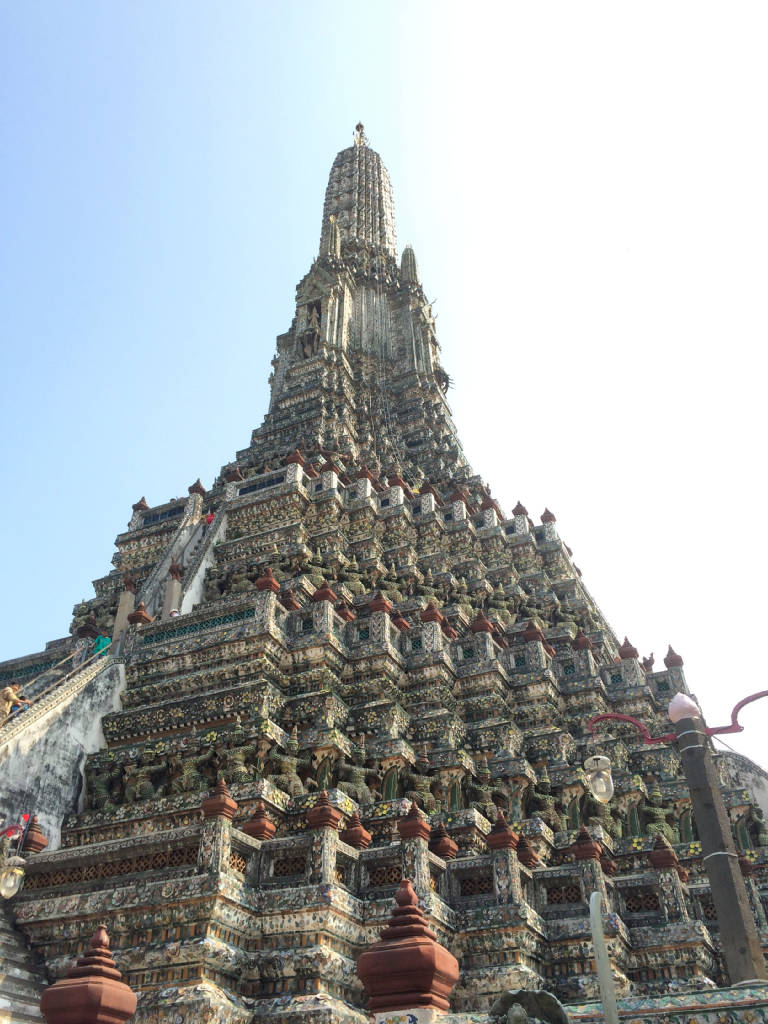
(42, 767)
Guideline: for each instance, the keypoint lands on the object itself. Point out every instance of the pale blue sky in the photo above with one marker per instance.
(584, 186)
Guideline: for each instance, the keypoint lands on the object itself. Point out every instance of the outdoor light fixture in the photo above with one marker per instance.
(681, 706)
(599, 779)
(11, 877)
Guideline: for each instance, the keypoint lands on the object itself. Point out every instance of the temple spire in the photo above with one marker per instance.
(359, 199)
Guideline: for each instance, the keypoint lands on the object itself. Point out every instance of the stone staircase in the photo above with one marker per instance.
(22, 979)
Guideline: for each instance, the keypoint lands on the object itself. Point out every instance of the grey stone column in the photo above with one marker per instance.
(125, 606)
(738, 933)
(215, 845)
(506, 876)
(172, 597)
(324, 844)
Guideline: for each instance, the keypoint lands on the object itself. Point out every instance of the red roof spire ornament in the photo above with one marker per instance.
(502, 836)
(673, 659)
(431, 613)
(344, 611)
(197, 488)
(398, 620)
(93, 991)
(548, 517)
(585, 847)
(581, 642)
(296, 457)
(141, 616)
(34, 841)
(324, 593)
(379, 603)
(441, 843)
(533, 632)
(481, 624)
(267, 581)
(627, 651)
(663, 856)
(355, 834)
(233, 475)
(407, 969)
(288, 601)
(519, 509)
(414, 825)
(219, 804)
(260, 826)
(323, 814)
(141, 505)
(176, 570)
(526, 853)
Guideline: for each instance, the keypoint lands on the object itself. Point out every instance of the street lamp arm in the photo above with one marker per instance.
(716, 730)
(734, 726)
(647, 738)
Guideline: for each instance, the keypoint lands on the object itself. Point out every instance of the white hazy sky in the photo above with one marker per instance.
(585, 189)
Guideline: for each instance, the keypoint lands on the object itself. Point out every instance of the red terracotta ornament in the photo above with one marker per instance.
(130, 584)
(93, 992)
(268, 582)
(519, 509)
(311, 472)
(663, 856)
(627, 651)
(233, 475)
(141, 505)
(526, 853)
(397, 481)
(34, 841)
(197, 488)
(673, 659)
(481, 624)
(429, 489)
(431, 613)
(324, 593)
(220, 803)
(414, 825)
(355, 834)
(400, 622)
(581, 642)
(140, 617)
(502, 836)
(610, 867)
(441, 843)
(344, 611)
(547, 516)
(448, 630)
(379, 603)
(176, 570)
(532, 633)
(260, 826)
(288, 600)
(296, 457)
(407, 969)
(323, 814)
(585, 847)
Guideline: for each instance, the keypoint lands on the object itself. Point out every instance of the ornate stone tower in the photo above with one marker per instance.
(341, 665)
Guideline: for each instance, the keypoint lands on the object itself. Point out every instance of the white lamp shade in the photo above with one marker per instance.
(681, 706)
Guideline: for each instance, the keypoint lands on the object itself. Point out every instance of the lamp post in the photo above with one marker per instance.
(738, 933)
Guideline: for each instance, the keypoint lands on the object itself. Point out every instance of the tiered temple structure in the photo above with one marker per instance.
(362, 669)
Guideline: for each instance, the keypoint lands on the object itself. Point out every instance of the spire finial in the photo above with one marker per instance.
(361, 139)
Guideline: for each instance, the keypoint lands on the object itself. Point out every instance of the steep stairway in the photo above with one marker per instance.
(22, 979)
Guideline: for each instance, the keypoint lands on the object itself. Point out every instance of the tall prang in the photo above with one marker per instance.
(340, 666)
(359, 371)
